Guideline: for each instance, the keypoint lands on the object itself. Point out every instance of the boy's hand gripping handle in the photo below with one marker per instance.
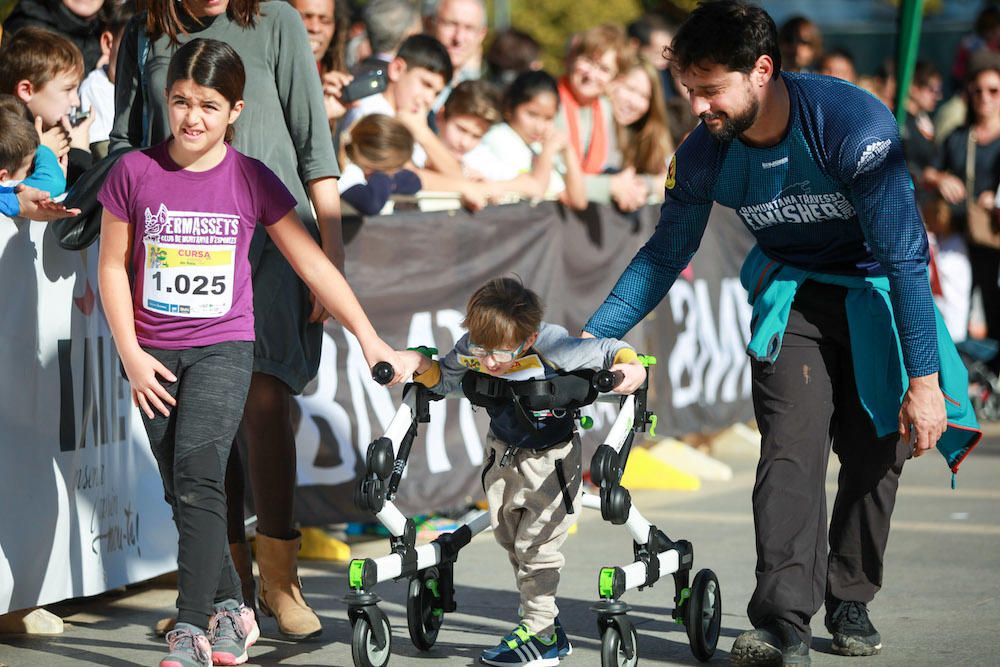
(605, 380)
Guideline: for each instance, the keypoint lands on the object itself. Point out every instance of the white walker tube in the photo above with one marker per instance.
(637, 526)
(623, 424)
(388, 567)
(480, 523)
(392, 518)
(398, 427)
(635, 523)
(591, 501)
(635, 574)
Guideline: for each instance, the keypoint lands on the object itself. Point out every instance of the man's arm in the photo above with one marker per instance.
(653, 270)
(882, 193)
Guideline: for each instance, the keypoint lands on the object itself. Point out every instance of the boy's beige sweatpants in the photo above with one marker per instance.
(529, 518)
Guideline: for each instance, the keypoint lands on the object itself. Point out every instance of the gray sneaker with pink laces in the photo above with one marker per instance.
(189, 647)
(232, 630)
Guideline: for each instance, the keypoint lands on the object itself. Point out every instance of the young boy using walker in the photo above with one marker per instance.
(532, 473)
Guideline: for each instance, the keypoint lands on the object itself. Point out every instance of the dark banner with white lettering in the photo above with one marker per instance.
(414, 272)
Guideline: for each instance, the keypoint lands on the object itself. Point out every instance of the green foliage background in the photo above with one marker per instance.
(552, 22)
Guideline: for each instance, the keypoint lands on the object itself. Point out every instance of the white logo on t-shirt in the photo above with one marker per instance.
(873, 155)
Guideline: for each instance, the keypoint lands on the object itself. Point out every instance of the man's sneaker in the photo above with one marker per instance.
(522, 648)
(778, 645)
(232, 630)
(189, 647)
(562, 641)
(852, 630)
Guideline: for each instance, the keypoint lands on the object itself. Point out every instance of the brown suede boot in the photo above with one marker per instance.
(281, 590)
(243, 563)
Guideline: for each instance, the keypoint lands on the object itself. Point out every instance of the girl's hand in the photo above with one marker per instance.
(147, 393)
(555, 140)
(635, 375)
(413, 362)
(378, 350)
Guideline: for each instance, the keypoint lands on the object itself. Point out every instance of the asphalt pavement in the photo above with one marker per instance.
(940, 604)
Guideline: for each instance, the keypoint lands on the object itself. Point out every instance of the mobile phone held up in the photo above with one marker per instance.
(78, 115)
(365, 84)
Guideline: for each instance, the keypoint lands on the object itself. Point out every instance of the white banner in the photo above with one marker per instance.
(81, 502)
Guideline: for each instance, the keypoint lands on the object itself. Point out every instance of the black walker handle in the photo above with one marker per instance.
(383, 372)
(605, 380)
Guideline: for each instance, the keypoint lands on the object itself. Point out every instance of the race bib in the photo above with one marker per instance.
(189, 275)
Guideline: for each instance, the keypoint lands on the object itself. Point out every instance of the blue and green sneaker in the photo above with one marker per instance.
(522, 648)
(562, 641)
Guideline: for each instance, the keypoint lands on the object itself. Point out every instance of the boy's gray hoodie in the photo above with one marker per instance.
(554, 351)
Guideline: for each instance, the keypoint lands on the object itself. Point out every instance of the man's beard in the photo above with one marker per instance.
(734, 126)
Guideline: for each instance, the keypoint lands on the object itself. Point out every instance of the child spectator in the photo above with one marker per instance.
(18, 146)
(45, 173)
(18, 143)
(181, 215)
(43, 70)
(416, 75)
(532, 474)
(376, 148)
(467, 115)
(97, 92)
(527, 153)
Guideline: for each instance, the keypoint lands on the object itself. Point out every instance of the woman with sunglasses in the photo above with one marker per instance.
(965, 175)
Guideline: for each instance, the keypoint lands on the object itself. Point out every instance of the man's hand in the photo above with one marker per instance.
(922, 417)
(38, 205)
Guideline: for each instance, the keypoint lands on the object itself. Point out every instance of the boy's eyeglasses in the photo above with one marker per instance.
(499, 356)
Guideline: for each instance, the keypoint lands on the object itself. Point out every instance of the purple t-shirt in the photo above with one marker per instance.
(191, 277)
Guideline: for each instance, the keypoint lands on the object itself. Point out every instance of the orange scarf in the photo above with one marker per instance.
(597, 153)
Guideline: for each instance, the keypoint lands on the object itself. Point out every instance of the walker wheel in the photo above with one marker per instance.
(363, 648)
(424, 614)
(613, 648)
(703, 617)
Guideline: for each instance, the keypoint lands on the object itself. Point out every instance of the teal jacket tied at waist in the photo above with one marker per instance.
(878, 358)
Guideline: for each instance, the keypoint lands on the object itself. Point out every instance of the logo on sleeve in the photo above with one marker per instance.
(873, 156)
(671, 180)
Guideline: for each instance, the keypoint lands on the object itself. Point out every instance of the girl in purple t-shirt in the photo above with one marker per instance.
(176, 289)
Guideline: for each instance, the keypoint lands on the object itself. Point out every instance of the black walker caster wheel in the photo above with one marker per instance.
(613, 648)
(422, 601)
(703, 616)
(363, 646)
